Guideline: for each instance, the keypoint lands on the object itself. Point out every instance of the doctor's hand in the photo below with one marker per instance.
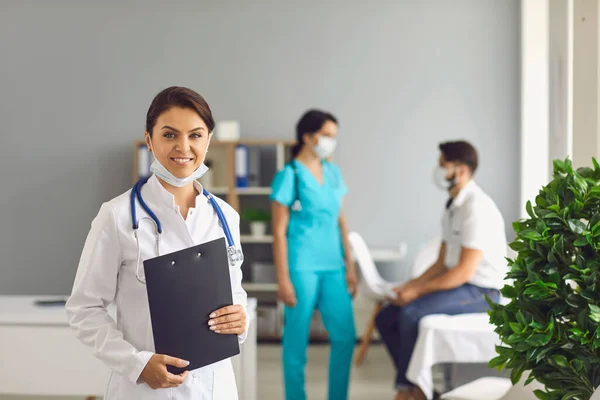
(155, 373)
(230, 320)
(286, 293)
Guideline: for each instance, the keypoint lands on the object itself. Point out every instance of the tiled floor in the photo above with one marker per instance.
(371, 381)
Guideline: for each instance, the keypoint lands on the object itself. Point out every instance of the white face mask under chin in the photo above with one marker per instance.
(325, 147)
(439, 178)
(164, 174)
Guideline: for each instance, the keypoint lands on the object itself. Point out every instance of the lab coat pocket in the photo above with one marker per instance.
(129, 390)
(224, 384)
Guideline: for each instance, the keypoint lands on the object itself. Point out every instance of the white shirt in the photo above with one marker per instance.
(107, 274)
(474, 221)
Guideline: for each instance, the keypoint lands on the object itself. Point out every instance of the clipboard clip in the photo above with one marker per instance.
(235, 255)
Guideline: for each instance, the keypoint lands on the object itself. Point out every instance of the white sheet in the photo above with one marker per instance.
(466, 338)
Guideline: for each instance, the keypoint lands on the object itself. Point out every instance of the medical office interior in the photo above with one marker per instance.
(519, 80)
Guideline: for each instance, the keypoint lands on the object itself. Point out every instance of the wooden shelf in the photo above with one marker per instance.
(259, 287)
(218, 190)
(253, 191)
(255, 239)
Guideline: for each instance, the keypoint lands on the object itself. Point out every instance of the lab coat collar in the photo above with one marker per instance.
(164, 197)
(470, 187)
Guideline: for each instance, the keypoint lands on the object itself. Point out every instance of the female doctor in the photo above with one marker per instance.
(179, 126)
(312, 255)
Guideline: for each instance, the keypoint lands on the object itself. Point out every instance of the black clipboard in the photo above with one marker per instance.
(184, 288)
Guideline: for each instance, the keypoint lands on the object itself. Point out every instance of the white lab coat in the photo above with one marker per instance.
(106, 274)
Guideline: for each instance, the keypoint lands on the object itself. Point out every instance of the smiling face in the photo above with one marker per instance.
(179, 140)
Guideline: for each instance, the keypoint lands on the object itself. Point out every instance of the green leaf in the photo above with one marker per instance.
(573, 395)
(541, 395)
(551, 215)
(581, 241)
(509, 292)
(540, 201)
(516, 328)
(577, 332)
(521, 318)
(596, 343)
(589, 295)
(497, 362)
(539, 339)
(595, 219)
(530, 234)
(537, 327)
(596, 166)
(560, 360)
(529, 209)
(559, 166)
(514, 338)
(576, 226)
(518, 226)
(595, 190)
(516, 373)
(578, 365)
(530, 379)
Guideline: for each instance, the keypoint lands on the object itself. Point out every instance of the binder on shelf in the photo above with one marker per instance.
(241, 166)
(254, 167)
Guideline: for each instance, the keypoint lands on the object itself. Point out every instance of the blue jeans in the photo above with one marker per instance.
(399, 326)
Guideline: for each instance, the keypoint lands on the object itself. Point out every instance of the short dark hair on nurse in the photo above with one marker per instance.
(177, 96)
(461, 152)
(310, 122)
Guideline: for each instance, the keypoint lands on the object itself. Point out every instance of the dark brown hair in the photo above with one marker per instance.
(460, 152)
(177, 96)
(310, 122)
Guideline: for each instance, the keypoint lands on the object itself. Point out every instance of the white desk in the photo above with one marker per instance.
(40, 354)
(244, 364)
(42, 357)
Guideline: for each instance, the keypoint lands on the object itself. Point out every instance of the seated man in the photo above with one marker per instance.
(470, 263)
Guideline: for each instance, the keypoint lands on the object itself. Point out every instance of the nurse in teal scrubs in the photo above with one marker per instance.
(312, 255)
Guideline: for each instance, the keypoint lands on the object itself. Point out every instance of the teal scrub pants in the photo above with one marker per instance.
(327, 291)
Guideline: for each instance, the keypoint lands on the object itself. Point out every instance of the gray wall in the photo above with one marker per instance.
(76, 79)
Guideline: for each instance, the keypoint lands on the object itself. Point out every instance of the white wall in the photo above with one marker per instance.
(561, 80)
(76, 79)
(585, 82)
(534, 99)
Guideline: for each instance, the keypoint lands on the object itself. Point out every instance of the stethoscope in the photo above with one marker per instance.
(234, 255)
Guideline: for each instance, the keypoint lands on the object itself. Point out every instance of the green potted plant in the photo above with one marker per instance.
(551, 326)
(258, 220)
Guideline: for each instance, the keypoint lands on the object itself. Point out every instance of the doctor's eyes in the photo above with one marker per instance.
(172, 135)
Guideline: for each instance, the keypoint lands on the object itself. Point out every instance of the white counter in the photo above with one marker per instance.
(42, 357)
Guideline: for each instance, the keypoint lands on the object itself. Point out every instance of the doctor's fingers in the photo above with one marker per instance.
(176, 362)
(234, 309)
(176, 380)
(228, 318)
(228, 325)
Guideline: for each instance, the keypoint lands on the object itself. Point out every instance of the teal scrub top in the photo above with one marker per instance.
(314, 238)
